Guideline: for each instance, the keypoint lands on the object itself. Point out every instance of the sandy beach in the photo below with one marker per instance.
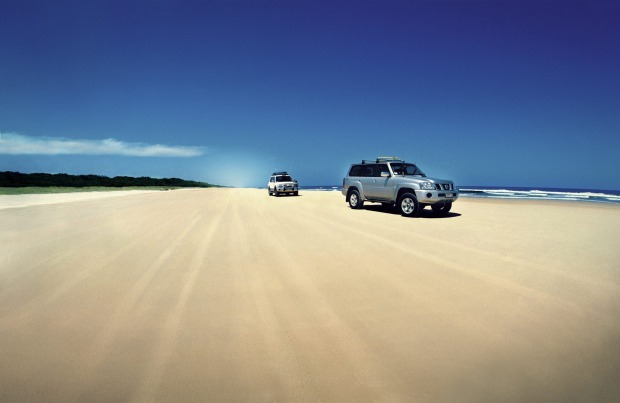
(231, 295)
(38, 199)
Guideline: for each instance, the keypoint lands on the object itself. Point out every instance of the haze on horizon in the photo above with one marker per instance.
(497, 93)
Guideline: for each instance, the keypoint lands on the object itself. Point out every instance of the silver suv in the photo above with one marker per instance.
(392, 181)
(282, 183)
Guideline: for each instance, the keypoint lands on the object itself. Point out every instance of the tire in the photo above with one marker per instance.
(275, 193)
(408, 205)
(269, 191)
(295, 193)
(441, 209)
(355, 200)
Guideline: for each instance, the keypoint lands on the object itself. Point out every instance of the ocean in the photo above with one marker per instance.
(524, 193)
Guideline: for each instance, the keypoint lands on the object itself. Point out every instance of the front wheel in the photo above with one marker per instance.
(408, 205)
(355, 201)
(441, 208)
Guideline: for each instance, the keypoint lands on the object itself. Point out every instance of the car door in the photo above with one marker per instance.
(379, 186)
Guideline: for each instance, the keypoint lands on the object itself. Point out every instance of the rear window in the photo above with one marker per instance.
(356, 170)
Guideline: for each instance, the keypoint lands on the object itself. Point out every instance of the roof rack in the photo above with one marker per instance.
(382, 159)
(280, 173)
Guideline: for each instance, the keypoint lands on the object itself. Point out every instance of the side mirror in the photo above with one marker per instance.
(385, 174)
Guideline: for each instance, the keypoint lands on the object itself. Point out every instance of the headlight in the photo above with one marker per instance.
(427, 185)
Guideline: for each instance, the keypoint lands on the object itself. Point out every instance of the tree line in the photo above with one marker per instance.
(17, 179)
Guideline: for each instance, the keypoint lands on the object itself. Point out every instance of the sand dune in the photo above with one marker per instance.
(232, 295)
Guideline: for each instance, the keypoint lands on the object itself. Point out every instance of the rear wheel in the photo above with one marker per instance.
(408, 205)
(355, 201)
(441, 208)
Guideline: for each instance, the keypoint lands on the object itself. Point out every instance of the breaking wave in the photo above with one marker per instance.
(600, 196)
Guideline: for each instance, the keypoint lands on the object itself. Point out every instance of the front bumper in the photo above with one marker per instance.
(287, 189)
(436, 196)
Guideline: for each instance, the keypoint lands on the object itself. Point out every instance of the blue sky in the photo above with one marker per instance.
(500, 93)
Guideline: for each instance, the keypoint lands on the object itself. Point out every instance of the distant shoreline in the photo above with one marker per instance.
(466, 192)
(14, 191)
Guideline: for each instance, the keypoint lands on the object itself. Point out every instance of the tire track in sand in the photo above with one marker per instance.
(93, 269)
(148, 387)
(297, 321)
(120, 319)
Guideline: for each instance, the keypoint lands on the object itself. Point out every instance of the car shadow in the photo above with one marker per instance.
(425, 213)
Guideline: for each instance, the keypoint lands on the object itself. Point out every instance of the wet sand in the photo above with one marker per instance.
(232, 295)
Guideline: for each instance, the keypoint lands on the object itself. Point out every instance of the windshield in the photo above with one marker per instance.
(283, 178)
(406, 169)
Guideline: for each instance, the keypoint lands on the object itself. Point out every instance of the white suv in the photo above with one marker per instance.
(282, 183)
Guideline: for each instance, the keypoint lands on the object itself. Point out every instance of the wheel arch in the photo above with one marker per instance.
(404, 190)
(351, 189)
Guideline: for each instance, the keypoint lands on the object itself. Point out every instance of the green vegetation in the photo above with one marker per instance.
(19, 183)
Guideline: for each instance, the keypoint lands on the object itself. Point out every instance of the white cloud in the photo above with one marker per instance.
(17, 144)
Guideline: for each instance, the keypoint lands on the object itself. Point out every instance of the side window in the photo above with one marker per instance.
(381, 168)
(272, 179)
(366, 170)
